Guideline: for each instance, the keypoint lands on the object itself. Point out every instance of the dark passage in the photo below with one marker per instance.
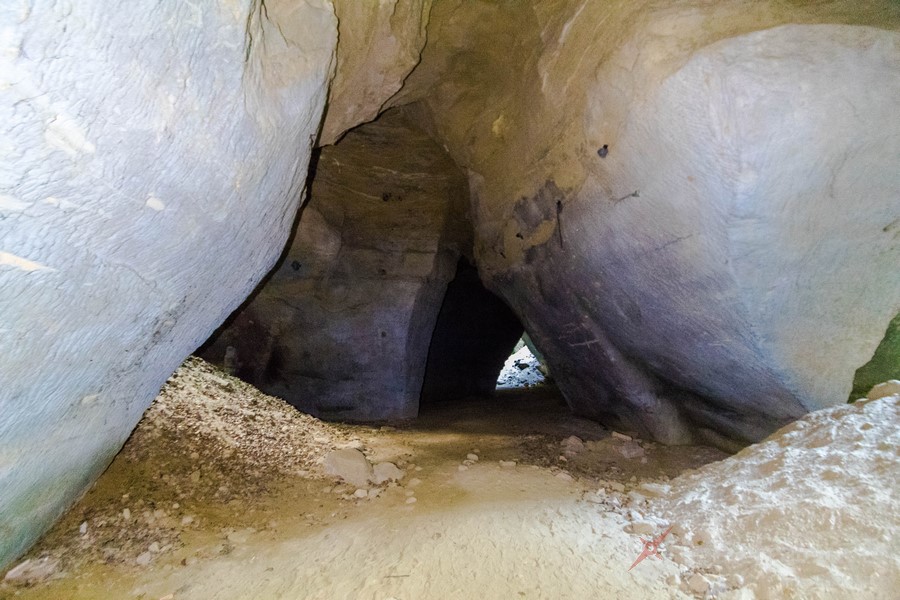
(475, 333)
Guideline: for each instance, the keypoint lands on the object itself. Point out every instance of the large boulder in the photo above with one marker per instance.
(151, 163)
(694, 210)
(343, 326)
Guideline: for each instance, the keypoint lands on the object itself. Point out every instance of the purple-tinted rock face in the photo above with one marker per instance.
(151, 164)
(705, 282)
(694, 213)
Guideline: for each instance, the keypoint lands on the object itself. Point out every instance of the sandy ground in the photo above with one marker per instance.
(213, 511)
(221, 493)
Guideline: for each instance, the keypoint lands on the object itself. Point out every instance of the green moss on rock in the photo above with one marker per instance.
(885, 363)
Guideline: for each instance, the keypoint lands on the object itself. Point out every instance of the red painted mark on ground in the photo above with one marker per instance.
(651, 547)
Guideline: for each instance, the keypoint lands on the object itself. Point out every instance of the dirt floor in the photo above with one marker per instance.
(221, 493)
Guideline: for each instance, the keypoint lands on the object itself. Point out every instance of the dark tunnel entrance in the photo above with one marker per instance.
(474, 334)
(357, 322)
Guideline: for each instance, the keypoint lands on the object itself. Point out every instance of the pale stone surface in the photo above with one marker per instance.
(780, 513)
(572, 446)
(350, 465)
(728, 260)
(655, 489)
(386, 471)
(737, 279)
(698, 584)
(380, 43)
(151, 163)
(883, 390)
(641, 527)
(32, 571)
(693, 205)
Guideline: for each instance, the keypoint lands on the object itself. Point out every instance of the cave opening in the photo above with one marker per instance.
(475, 333)
(524, 368)
(693, 206)
(374, 309)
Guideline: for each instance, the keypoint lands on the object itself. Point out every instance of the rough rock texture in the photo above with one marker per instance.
(691, 205)
(151, 163)
(780, 513)
(380, 43)
(342, 328)
(208, 441)
(32, 571)
(386, 471)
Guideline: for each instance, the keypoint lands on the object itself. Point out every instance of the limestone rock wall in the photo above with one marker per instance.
(343, 326)
(690, 204)
(151, 163)
(380, 43)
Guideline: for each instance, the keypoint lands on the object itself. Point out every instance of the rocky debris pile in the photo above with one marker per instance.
(135, 533)
(471, 459)
(614, 456)
(634, 501)
(166, 493)
(208, 439)
(782, 512)
(216, 416)
(572, 446)
(625, 445)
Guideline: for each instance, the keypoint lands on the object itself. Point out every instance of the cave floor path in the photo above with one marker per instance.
(524, 520)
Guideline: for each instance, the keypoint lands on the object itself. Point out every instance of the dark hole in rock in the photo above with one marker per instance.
(474, 334)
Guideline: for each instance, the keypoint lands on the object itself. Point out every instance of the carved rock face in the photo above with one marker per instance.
(152, 165)
(380, 43)
(692, 205)
(765, 186)
(686, 208)
(342, 328)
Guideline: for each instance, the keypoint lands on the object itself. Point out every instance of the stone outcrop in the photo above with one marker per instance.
(692, 205)
(380, 43)
(343, 326)
(152, 164)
